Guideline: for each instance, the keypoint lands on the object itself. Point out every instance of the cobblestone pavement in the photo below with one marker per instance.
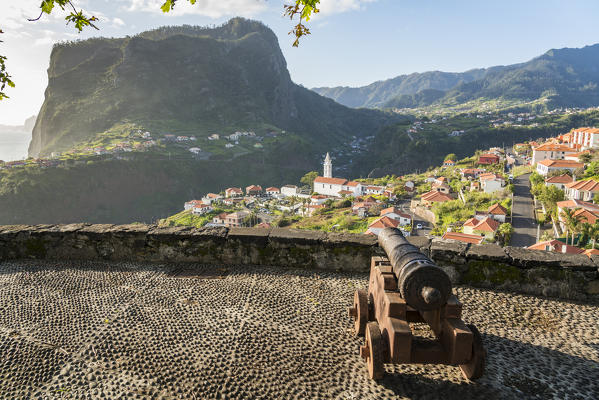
(124, 331)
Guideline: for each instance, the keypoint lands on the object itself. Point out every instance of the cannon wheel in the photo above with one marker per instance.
(374, 351)
(476, 366)
(360, 311)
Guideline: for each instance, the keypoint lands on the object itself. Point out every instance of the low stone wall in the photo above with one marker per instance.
(510, 268)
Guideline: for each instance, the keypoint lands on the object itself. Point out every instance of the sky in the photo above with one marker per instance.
(353, 42)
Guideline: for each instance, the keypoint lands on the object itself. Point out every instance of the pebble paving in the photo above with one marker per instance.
(92, 330)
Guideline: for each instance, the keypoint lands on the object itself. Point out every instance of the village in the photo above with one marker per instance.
(127, 141)
(468, 200)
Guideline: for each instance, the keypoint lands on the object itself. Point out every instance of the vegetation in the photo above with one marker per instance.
(454, 213)
(572, 222)
(558, 78)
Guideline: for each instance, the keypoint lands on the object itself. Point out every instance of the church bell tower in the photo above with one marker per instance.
(328, 167)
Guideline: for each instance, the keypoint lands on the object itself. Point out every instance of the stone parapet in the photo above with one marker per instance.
(510, 268)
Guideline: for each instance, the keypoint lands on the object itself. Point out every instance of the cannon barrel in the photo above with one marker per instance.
(422, 284)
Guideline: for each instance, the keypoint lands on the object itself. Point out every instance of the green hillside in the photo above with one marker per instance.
(185, 79)
(559, 78)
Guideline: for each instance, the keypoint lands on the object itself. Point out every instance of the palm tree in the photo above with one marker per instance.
(591, 231)
(506, 230)
(572, 222)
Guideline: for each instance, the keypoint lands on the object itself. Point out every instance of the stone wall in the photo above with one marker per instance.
(510, 268)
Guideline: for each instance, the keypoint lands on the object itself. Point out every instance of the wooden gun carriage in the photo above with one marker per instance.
(406, 287)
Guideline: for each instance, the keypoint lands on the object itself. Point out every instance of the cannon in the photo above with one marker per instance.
(406, 292)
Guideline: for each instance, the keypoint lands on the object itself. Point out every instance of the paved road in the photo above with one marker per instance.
(525, 227)
(134, 331)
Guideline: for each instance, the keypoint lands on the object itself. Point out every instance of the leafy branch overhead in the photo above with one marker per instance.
(302, 9)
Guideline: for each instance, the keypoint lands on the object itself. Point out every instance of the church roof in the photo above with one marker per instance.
(331, 181)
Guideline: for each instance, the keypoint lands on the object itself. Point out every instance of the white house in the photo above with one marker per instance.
(559, 181)
(374, 189)
(585, 190)
(384, 222)
(585, 137)
(396, 214)
(550, 151)
(273, 191)
(289, 190)
(337, 187)
(211, 198)
(544, 167)
(201, 209)
(191, 204)
(490, 183)
(195, 150)
(233, 192)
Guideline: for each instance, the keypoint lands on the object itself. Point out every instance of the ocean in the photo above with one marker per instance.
(13, 145)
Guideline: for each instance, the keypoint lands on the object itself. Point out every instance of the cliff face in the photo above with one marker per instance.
(203, 79)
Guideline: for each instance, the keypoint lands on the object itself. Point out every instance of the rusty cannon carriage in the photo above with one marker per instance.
(407, 291)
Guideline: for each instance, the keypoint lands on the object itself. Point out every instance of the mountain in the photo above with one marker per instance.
(560, 78)
(27, 127)
(190, 79)
(180, 80)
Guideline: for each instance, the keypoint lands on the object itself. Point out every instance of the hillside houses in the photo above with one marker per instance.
(491, 183)
(559, 181)
(547, 166)
(551, 151)
(584, 190)
(334, 186)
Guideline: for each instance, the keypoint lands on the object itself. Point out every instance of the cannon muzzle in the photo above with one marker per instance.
(422, 284)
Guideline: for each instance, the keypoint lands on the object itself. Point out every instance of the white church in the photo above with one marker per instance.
(338, 187)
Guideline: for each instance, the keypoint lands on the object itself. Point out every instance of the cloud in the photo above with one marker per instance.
(328, 7)
(208, 8)
(117, 22)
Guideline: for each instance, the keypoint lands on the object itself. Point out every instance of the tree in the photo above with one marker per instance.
(302, 9)
(506, 230)
(550, 195)
(451, 156)
(308, 179)
(400, 191)
(585, 158)
(591, 231)
(572, 222)
(536, 178)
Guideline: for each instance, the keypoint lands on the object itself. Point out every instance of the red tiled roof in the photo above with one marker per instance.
(586, 216)
(589, 185)
(352, 183)
(253, 188)
(434, 196)
(556, 246)
(591, 252)
(561, 163)
(330, 181)
(554, 147)
(213, 195)
(463, 237)
(234, 189)
(396, 211)
(384, 222)
(578, 204)
(487, 225)
(565, 178)
(497, 209)
(345, 192)
(272, 189)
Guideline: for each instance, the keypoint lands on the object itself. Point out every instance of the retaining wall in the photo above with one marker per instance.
(510, 268)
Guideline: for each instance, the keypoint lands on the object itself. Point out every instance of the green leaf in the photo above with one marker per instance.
(47, 6)
(167, 6)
